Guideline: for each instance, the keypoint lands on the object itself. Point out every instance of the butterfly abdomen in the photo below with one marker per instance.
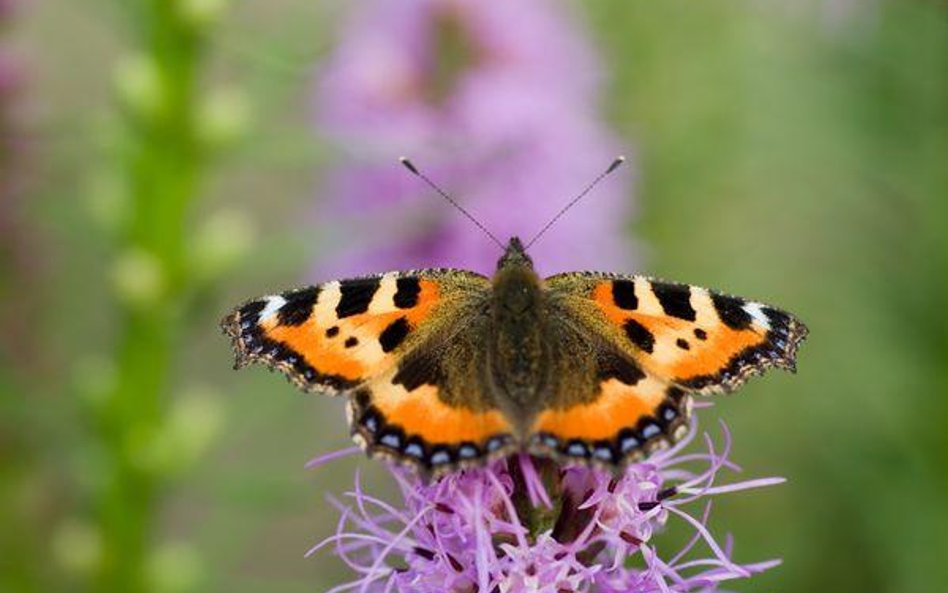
(517, 353)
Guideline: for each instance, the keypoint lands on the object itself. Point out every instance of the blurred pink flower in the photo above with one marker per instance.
(496, 101)
(523, 525)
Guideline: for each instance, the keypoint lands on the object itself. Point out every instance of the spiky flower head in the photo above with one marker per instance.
(527, 525)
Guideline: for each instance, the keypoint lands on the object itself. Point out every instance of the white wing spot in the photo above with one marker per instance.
(756, 311)
(325, 310)
(274, 303)
(384, 299)
(705, 314)
(648, 302)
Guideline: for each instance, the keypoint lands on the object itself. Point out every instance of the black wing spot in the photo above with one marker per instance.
(602, 450)
(731, 311)
(495, 443)
(675, 394)
(675, 300)
(418, 369)
(362, 398)
(576, 448)
(407, 291)
(298, 306)
(372, 421)
(250, 313)
(393, 438)
(332, 332)
(667, 414)
(639, 335)
(780, 322)
(701, 334)
(416, 448)
(469, 451)
(614, 366)
(623, 295)
(356, 296)
(351, 342)
(649, 429)
(683, 344)
(628, 441)
(440, 456)
(394, 334)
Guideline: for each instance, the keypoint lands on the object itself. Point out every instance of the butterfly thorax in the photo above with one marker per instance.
(517, 353)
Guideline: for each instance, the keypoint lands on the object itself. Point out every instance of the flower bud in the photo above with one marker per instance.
(95, 379)
(174, 568)
(108, 202)
(201, 14)
(139, 86)
(223, 118)
(77, 546)
(226, 237)
(138, 278)
(191, 426)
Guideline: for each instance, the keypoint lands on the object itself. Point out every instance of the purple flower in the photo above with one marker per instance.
(526, 525)
(494, 100)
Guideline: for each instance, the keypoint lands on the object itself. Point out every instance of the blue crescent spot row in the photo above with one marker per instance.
(629, 440)
(381, 434)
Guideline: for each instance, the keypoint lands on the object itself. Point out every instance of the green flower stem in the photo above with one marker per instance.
(163, 163)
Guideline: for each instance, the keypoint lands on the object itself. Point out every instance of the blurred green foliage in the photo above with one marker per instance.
(793, 153)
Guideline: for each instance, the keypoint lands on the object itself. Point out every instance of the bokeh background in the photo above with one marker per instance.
(163, 160)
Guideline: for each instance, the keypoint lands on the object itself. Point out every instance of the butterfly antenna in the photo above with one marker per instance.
(615, 165)
(411, 167)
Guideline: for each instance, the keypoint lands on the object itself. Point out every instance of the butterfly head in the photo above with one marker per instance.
(515, 256)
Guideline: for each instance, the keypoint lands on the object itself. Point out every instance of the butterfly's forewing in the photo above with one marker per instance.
(384, 340)
(695, 338)
(332, 337)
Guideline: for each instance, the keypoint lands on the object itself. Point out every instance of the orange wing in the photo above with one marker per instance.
(434, 409)
(600, 406)
(628, 352)
(697, 339)
(417, 424)
(333, 337)
(404, 346)
(624, 422)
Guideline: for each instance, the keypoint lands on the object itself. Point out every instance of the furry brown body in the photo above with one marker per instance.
(518, 355)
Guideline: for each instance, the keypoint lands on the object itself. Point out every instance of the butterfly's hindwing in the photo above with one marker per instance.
(603, 408)
(434, 407)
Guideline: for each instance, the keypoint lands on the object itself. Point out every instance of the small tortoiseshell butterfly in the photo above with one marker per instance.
(447, 368)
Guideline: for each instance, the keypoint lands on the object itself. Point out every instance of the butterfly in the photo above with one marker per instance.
(446, 369)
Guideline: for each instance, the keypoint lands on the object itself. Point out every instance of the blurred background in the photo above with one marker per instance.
(163, 160)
